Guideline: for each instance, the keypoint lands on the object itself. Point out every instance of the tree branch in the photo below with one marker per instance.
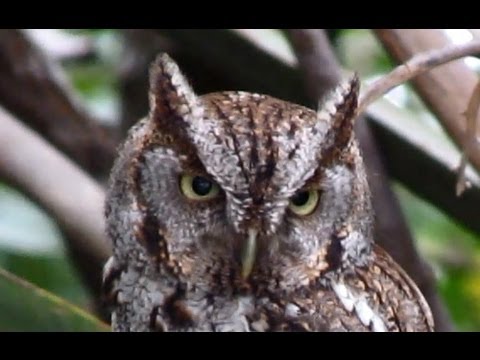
(425, 163)
(35, 90)
(316, 60)
(140, 47)
(470, 139)
(453, 81)
(72, 198)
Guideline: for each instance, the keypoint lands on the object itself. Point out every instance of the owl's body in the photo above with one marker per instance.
(241, 212)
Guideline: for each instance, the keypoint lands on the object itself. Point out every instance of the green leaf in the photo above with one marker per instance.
(26, 307)
(56, 274)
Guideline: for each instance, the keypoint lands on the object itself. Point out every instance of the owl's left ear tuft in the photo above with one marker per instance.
(172, 100)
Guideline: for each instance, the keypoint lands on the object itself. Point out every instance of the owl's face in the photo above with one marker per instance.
(245, 186)
(240, 212)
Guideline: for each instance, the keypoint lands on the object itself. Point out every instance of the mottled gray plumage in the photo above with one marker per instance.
(180, 264)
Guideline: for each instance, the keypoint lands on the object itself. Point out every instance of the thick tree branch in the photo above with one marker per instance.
(316, 60)
(321, 71)
(424, 162)
(72, 198)
(140, 47)
(470, 140)
(34, 89)
(453, 81)
(240, 65)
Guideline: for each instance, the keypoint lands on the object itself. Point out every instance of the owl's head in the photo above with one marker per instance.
(235, 185)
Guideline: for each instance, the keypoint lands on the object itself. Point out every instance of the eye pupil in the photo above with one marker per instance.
(301, 198)
(201, 186)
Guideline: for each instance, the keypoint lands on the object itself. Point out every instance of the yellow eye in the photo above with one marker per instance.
(198, 187)
(304, 202)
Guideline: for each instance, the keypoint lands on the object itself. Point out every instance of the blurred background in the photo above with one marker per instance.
(82, 89)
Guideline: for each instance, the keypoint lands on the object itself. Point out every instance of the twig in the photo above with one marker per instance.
(445, 89)
(73, 199)
(470, 141)
(321, 71)
(417, 65)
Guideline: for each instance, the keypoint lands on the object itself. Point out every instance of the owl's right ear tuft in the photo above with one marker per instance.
(339, 108)
(172, 100)
(338, 111)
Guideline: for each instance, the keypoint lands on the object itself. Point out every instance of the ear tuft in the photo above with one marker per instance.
(341, 103)
(171, 97)
(339, 110)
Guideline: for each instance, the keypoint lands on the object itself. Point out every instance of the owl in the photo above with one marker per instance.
(237, 211)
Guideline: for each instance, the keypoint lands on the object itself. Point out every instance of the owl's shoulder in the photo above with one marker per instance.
(383, 296)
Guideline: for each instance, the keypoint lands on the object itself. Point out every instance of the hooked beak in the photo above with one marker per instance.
(249, 252)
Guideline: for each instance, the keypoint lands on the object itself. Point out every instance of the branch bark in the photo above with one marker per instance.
(35, 90)
(453, 81)
(316, 60)
(470, 140)
(424, 163)
(322, 71)
(140, 47)
(72, 198)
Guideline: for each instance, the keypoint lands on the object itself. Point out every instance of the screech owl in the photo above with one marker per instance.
(236, 211)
